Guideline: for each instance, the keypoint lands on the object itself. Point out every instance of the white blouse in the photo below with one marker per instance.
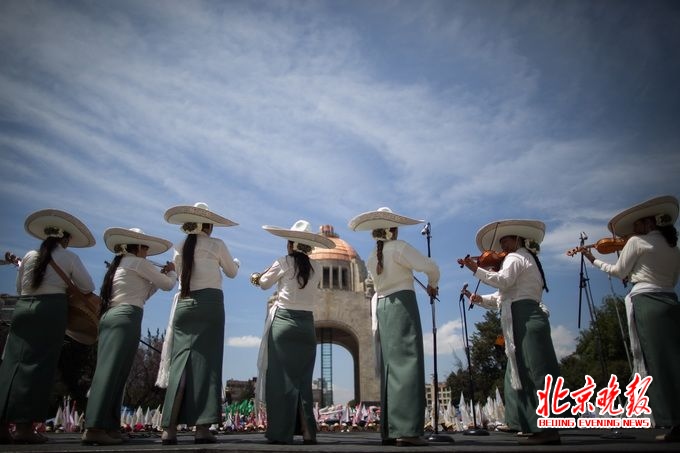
(52, 283)
(136, 280)
(210, 256)
(289, 293)
(400, 259)
(646, 259)
(518, 279)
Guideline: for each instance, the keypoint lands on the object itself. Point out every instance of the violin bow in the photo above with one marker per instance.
(479, 281)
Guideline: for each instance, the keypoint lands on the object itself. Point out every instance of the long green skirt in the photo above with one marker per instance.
(197, 348)
(402, 376)
(31, 356)
(290, 368)
(535, 359)
(119, 332)
(657, 317)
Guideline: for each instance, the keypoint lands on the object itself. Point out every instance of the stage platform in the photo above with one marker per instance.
(573, 440)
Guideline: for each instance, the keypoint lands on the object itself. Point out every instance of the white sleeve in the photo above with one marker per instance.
(624, 265)
(271, 275)
(413, 259)
(506, 277)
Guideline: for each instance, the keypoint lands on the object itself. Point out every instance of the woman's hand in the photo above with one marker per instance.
(474, 298)
(469, 263)
(432, 292)
(587, 253)
(169, 266)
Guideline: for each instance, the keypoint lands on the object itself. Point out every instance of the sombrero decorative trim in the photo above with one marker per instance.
(53, 222)
(528, 229)
(381, 218)
(301, 232)
(198, 213)
(118, 236)
(622, 223)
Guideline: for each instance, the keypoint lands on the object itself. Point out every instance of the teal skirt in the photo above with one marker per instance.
(290, 368)
(34, 343)
(119, 332)
(535, 359)
(657, 318)
(197, 348)
(402, 376)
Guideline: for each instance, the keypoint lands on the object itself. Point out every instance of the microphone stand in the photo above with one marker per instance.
(435, 436)
(471, 431)
(584, 287)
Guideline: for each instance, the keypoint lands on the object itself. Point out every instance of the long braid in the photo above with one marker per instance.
(44, 257)
(540, 269)
(187, 264)
(379, 253)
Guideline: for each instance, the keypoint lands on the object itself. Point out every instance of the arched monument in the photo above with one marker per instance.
(343, 315)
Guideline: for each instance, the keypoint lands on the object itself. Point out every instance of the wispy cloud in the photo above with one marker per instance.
(247, 341)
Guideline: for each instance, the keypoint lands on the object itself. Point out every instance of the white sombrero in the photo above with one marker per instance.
(382, 218)
(198, 213)
(53, 222)
(302, 233)
(495, 231)
(118, 236)
(622, 224)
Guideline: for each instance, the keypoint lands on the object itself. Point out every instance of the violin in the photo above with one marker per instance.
(489, 259)
(604, 246)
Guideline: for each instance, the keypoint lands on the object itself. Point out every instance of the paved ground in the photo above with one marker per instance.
(572, 440)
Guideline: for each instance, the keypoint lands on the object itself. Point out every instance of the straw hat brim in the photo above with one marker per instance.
(373, 220)
(302, 237)
(179, 215)
(81, 236)
(495, 231)
(622, 223)
(116, 236)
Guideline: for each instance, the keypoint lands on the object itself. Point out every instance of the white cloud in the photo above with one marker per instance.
(564, 341)
(246, 341)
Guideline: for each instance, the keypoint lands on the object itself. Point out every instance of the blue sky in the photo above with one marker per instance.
(458, 112)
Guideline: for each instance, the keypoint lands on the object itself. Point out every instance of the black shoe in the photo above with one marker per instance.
(541, 438)
(388, 442)
(411, 442)
(169, 441)
(309, 442)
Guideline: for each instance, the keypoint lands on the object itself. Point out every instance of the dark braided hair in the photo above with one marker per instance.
(669, 232)
(44, 257)
(303, 265)
(188, 257)
(538, 264)
(107, 285)
(381, 235)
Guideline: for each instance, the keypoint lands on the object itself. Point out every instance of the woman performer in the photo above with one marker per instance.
(396, 325)
(288, 346)
(195, 337)
(528, 344)
(651, 261)
(130, 280)
(39, 322)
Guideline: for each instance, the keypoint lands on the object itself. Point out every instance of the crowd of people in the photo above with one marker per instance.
(191, 362)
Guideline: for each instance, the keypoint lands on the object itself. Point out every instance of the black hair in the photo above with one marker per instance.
(107, 284)
(188, 256)
(302, 264)
(44, 257)
(381, 235)
(670, 234)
